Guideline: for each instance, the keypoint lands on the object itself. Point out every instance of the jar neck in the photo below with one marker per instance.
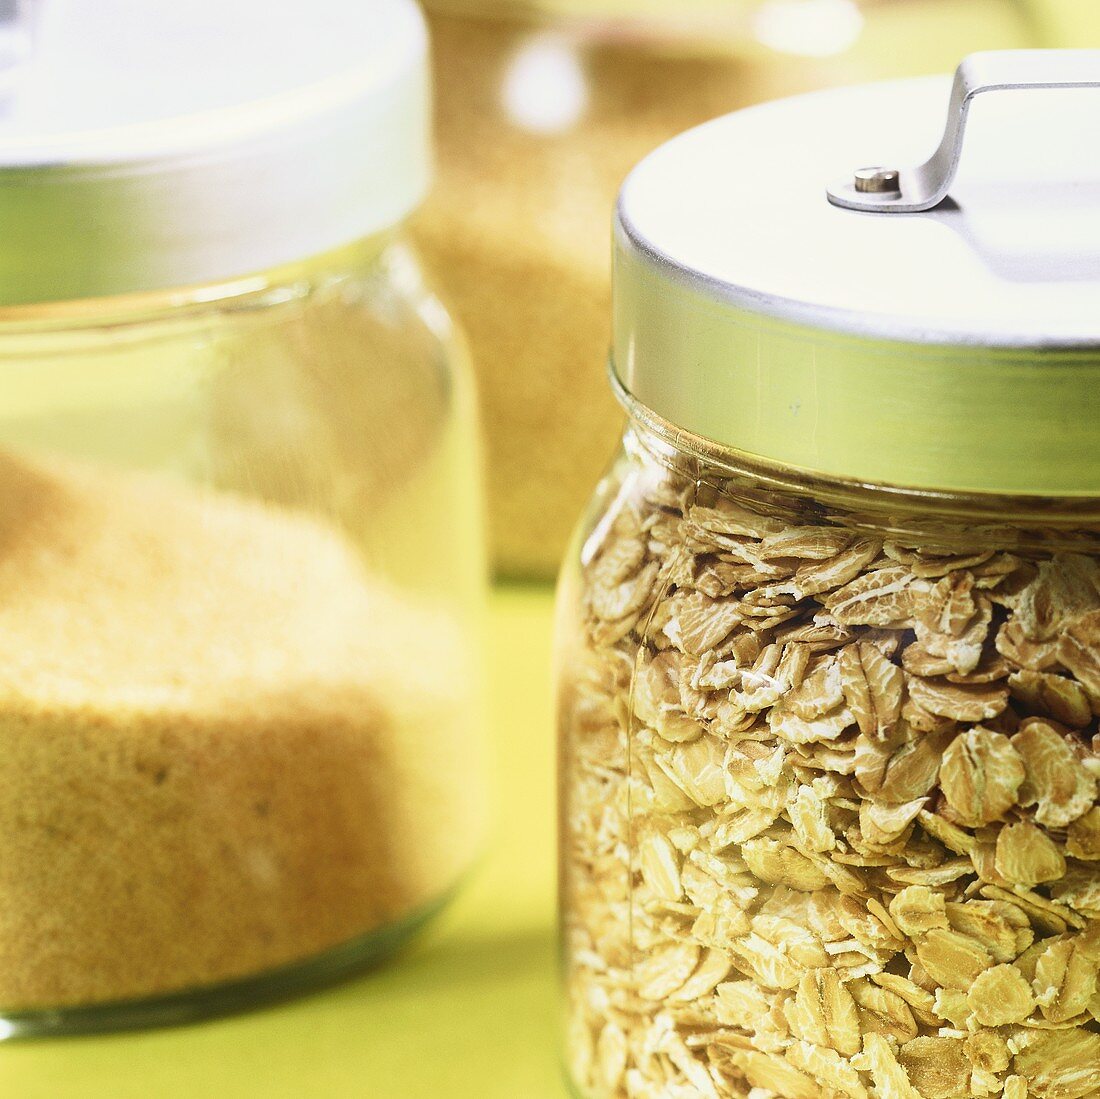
(925, 516)
(286, 282)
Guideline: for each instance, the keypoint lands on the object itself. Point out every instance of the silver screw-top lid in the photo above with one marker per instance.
(954, 349)
(146, 145)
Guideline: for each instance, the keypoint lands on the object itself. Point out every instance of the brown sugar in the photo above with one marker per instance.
(223, 746)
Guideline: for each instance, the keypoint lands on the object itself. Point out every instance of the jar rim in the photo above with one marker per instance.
(289, 280)
(878, 500)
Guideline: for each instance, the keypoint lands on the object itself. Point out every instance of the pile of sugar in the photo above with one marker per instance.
(223, 746)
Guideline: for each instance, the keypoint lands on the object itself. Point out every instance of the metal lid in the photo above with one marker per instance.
(954, 349)
(148, 145)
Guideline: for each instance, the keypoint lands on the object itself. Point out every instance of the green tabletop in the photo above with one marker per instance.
(468, 1012)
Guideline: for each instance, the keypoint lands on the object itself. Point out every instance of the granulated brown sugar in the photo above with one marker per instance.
(223, 745)
(517, 230)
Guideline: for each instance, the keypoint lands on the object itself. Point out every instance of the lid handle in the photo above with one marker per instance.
(888, 190)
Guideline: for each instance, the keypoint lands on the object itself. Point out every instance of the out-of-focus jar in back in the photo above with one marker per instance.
(241, 562)
(542, 110)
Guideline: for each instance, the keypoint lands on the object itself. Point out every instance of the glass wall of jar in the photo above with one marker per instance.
(829, 637)
(241, 563)
(542, 110)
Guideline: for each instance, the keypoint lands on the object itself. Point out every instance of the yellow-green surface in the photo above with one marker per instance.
(468, 1012)
(1071, 22)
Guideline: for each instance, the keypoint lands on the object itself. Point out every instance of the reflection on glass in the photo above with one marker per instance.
(808, 28)
(544, 88)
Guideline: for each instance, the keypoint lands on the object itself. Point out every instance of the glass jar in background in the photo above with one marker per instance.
(241, 559)
(829, 636)
(542, 110)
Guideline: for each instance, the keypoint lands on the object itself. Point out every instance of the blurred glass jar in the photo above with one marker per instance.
(542, 110)
(241, 559)
(829, 644)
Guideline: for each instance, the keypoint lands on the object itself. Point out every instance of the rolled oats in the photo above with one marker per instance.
(980, 775)
(1000, 995)
(831, 804)
(884, 1012)
(951, 959)
(1065, 980)
(824, 1012)
(917, 909)
(1083, 837)
(988, 1051)
(1026, 855)
(890, 1079)
(1057, 783)
(1059, 1064)
(936, 1066)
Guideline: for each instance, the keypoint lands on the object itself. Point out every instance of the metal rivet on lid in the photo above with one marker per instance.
(878, 181)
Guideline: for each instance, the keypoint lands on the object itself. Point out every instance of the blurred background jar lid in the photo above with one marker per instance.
(670, 9)
(799, 28)
(158, 144)
(725, 24)
(956, 349)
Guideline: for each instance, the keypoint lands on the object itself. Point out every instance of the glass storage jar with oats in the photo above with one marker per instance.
(241, 562)
(829, 652)
(543, 108)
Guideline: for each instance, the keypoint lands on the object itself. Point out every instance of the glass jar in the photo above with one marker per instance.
(829, 635)
(542, 110)
(242, 572)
